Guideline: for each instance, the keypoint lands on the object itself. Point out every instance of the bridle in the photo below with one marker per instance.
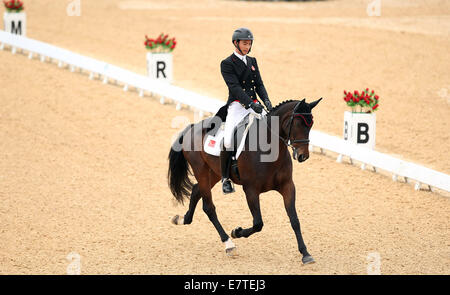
(287, 141)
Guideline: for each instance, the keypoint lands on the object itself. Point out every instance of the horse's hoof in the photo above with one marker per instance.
(231, 252)
(308, 259)
(230, 248)
(234, 232)
(177, 220)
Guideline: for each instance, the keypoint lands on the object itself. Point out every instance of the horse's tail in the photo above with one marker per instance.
(178, 174)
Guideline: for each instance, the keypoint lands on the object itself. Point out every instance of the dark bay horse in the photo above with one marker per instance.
(294, 124)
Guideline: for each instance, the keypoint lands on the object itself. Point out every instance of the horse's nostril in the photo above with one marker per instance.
(303, 158)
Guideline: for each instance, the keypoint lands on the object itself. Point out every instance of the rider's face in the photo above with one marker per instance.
(244, 45)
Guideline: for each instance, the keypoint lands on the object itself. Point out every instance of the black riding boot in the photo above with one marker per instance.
(225, 164)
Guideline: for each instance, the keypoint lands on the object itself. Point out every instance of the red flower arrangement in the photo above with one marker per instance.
(365, 100)
(160, 44)
(13, 5)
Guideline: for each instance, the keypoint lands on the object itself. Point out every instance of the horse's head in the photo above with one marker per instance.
(296, 126)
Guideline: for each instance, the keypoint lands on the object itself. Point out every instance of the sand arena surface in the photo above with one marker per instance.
(83, 165)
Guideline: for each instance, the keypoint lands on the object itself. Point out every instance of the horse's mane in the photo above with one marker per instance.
(302, 108)
(274, 109)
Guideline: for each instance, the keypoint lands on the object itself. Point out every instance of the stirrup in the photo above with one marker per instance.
(227, 186)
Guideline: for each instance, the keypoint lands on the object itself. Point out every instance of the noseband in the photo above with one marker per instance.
(294, 115)
(287, 140)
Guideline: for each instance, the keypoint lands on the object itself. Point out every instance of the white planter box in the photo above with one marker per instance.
(360, 128)
(160, 66)
(15, 23)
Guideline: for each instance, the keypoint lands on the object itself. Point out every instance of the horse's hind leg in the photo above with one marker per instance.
(187, 219)
(205, 185)
(253, 205)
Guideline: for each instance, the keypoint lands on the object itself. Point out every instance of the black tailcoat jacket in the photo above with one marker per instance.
(243, 81)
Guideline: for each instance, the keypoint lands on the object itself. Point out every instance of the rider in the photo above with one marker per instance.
(241, 74)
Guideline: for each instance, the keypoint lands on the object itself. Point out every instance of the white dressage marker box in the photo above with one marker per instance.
(360, 128)
(15, 23)
(160, 66)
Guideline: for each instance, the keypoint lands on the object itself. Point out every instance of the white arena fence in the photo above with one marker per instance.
(410, 172)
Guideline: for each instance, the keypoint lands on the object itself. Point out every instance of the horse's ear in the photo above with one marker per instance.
(302, 102)
(314, 103)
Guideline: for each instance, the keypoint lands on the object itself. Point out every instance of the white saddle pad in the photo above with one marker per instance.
(212, 144)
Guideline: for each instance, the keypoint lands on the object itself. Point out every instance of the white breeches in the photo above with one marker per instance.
(236, 113)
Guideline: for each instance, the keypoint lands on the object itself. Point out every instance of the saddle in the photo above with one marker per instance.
(213, 140)
(212, 144)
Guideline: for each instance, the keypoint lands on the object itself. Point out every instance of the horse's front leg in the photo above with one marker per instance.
(253, 204)
(288, 193)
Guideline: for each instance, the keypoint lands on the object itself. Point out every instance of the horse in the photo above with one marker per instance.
(256, 177)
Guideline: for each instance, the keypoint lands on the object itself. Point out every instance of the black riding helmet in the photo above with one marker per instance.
(242, 34)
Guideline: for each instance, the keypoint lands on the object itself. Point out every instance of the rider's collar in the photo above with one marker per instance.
(242, 57)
